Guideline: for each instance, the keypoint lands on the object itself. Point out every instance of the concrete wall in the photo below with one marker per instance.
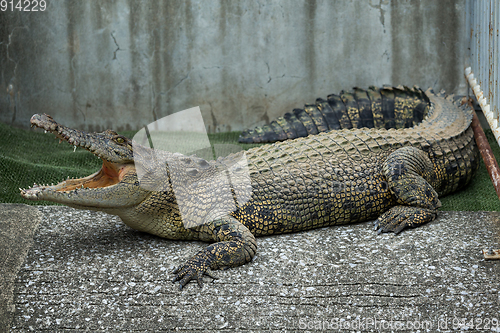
(123, 64)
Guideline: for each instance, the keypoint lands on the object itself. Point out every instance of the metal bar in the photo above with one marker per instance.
(483, 18)
(486, 152)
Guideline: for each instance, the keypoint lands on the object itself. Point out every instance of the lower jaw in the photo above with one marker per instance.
(107, 176)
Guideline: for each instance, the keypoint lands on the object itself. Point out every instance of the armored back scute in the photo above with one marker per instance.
(386, 107)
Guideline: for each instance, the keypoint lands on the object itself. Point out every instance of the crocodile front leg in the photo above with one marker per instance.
(235, 245)
(408, 172)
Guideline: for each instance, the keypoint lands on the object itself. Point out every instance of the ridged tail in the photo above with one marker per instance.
(387, 107)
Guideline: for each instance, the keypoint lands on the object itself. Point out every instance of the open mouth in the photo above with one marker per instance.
(110, 173)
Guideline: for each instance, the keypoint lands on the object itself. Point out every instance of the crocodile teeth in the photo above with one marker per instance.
(60, 140)
(74, 149)
(45, 131)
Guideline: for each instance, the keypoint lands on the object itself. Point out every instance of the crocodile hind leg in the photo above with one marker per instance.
(408, 172)
(234, 246)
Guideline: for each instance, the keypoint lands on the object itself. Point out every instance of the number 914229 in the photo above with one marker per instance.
(23, 5)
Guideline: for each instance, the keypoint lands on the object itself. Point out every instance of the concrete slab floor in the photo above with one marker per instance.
(88, 271)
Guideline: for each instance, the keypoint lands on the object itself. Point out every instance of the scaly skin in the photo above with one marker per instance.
(394, 176)
(388, 107)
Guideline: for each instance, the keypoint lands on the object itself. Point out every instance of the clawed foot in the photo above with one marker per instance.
(234, 245)
(399, 217)
(194, 269)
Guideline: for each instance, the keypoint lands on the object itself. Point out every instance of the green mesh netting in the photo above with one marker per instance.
(28, 156)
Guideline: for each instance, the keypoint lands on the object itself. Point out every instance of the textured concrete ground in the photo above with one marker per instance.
(88, 271)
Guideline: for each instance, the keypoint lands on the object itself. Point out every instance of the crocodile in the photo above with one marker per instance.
(392, 176)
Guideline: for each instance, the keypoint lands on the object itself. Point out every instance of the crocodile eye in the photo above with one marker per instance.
(119, 139)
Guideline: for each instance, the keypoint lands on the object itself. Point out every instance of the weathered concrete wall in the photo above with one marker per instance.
(122, 64)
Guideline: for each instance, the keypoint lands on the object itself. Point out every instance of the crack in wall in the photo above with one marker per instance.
(180, 81)
(382, 11)
(268, 72)
(8, 46)
(117, 46)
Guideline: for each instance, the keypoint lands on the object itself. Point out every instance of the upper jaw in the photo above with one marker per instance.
(100, 144)
(74, 137)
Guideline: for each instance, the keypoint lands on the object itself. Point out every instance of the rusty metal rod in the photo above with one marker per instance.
(486, 152)
(491, 167)
(484, 147)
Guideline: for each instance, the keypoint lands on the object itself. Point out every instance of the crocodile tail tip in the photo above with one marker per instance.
(246, 137)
